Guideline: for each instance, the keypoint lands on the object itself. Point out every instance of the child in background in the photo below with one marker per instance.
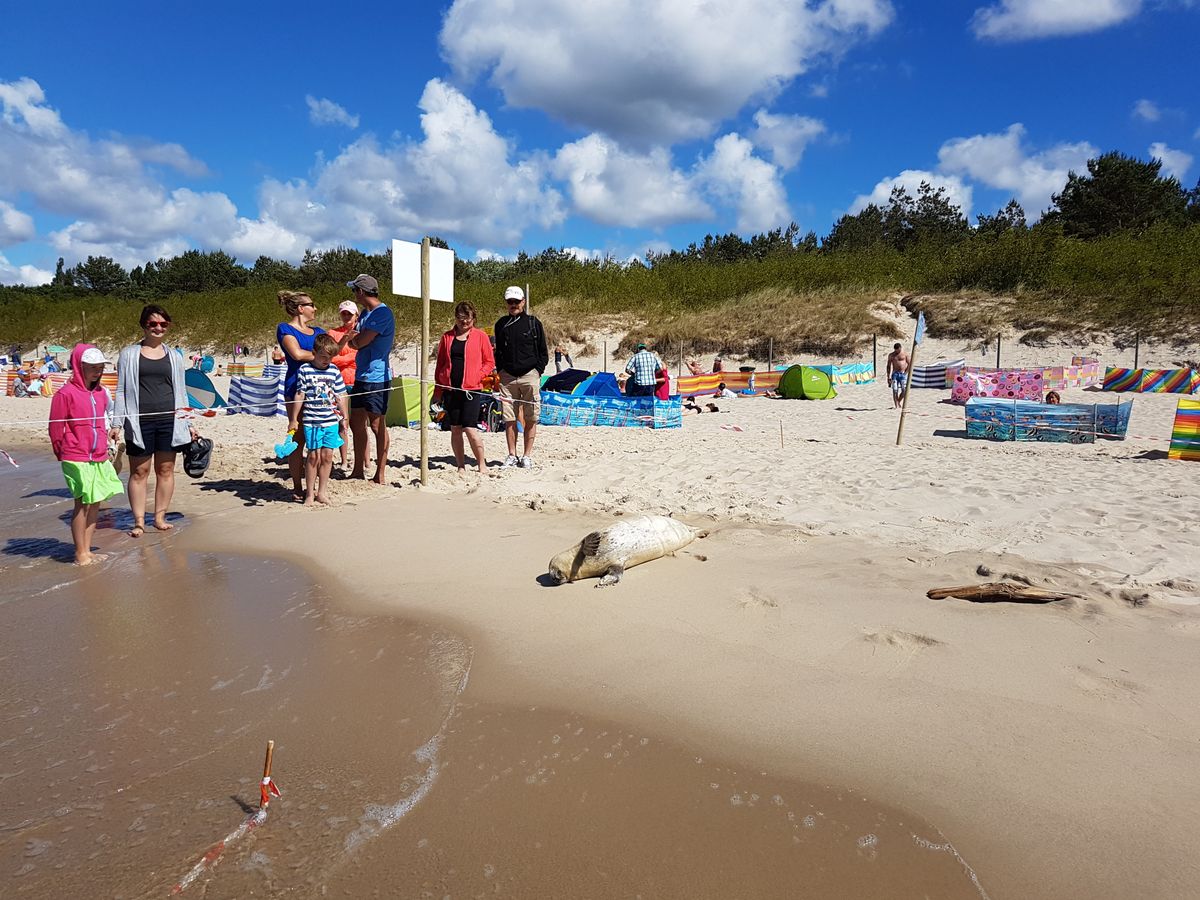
(322, 401)
(724, 393)
(80, 427)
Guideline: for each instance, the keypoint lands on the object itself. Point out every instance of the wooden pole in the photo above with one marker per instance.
(265, 798)
(912, 361)
(680, 373)
(781, 435)
(424, 366)
(997, 351)
(771, 354)
(83, 318)
(875, 356)
(528, 301)
(606, 356)
(1137, 346)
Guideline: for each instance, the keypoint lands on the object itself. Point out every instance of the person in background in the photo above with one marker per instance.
(897, 369)
(718, 366)
(464, 359)
(80, 422)
(21, 386)
(150, 391)
(662, 382)
(15, 352)
(296, 337)
(642, 367)
(561, 354)
(321, 396)
(695, 368)
(521, 358)
(373, 335)
(724, 393)
(1053, 398)
(345, 363)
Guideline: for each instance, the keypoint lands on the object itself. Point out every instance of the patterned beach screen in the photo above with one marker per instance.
(1185, 435)
(1152, 381)
(1004, 384)
(934, 375)
(615, 412)
(849, 373)
(256, 396)
(738, 382)
(1066, 423)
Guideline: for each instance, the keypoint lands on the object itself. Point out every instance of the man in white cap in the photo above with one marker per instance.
(372, 336)
(521, 358)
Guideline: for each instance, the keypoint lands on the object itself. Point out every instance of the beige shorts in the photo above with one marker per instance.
(526, 390)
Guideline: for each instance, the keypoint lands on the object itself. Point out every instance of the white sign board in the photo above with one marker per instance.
(406, 271)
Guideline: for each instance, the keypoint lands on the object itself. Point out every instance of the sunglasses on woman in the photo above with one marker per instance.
(158, 323)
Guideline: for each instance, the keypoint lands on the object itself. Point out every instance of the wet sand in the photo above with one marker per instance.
(136, 697)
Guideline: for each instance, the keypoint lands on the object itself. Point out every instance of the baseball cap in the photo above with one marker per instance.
(348, 305)
(514, 293)
(641, 346)
(366, 283)
(93, 356)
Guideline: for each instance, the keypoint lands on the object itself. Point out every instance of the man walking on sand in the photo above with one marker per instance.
(521, 358)
(372, 335)
(897, 374)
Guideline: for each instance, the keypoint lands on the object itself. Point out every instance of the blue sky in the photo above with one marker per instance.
(139, 130)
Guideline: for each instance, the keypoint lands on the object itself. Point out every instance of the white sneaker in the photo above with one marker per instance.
(526, 462)
(509, 462)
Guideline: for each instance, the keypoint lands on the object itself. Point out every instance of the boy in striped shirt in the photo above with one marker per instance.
(321, 402)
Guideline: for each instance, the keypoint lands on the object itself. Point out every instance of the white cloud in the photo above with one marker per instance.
(957, 192)
(614, 186)
(483, 253)
(28, 275)
(15, 226)
(1147, 111)
(735, 175)
(1019, 19)
(1001, 161)
(459, 180)
(820, 91)
(785, 136)
(1175, 163)
(326, 112)
(649, 71)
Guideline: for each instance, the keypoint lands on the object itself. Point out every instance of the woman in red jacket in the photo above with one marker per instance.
(464, 359)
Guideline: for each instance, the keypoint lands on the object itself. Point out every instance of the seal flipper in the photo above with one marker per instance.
(590, 545)
(612, 576)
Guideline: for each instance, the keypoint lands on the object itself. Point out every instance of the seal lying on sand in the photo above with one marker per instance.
(628, 542)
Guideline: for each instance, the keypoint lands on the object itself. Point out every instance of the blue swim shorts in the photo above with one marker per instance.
(318, 437)
(371, 396)
(899, 380)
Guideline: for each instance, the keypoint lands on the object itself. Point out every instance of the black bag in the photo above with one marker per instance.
(196, 457)
(491, 418)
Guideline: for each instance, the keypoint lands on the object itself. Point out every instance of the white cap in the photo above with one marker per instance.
(348, 306)
(514, 293)
(93, 356)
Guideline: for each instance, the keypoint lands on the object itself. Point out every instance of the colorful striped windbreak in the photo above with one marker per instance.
(1185, 436)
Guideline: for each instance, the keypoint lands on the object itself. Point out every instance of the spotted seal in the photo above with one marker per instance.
(627, 542)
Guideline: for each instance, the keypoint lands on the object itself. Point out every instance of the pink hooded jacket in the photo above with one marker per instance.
(84, 437)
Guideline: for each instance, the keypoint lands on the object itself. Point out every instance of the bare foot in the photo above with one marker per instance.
(163, 525)
(137, 531)
(91, 559)
(323, 499)
(308, 501)
(359, 474)
(379, 479)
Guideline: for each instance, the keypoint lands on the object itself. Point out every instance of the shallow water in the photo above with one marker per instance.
(136, 698)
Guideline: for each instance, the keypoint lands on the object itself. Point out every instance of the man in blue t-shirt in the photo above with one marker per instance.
(372, 335)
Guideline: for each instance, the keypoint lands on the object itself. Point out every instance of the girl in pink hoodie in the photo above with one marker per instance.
(80, 423)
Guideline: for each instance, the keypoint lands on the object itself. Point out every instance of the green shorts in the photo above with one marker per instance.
(91, 482)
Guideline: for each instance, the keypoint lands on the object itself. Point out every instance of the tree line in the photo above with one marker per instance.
(1119, 197)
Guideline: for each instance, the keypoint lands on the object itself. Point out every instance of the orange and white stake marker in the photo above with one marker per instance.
(267, 789)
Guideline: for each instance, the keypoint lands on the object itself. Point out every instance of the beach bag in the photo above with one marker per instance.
(491, 418)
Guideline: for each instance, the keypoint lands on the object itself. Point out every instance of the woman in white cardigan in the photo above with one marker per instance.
(150, 392)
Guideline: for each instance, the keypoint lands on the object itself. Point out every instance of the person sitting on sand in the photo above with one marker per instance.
(21, 385)
(724, 393)
(321, 399)
(1053, 398)
(718, 366)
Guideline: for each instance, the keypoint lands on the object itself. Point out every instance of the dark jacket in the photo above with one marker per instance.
(521, 345)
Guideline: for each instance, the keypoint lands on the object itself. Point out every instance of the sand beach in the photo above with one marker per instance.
(786, 667)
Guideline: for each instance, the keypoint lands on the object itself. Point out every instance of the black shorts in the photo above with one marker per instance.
(463, 408)
(371, 396)
(157, 432)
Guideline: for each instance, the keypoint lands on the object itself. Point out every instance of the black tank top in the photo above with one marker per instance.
(156, 389)
(458, 362)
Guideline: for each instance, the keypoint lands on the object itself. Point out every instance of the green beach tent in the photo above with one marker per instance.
(806, 383)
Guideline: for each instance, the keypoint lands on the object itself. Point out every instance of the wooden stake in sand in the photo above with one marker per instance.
(267, 790)
(912, 360)
(781, 435)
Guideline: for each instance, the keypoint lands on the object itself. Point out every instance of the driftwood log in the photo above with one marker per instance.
(997, 592)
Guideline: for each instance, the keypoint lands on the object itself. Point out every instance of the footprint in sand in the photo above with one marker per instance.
(891, 650)
(754, 599)
(901, 640)
(1105, 687)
